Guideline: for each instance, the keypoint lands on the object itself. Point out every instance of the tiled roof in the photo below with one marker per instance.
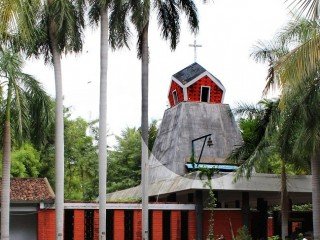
(191, 72)
(30, 190)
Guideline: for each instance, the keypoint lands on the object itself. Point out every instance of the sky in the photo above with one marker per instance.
(228, 31)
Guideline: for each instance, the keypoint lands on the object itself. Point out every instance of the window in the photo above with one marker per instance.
(175, 97)
(205, 94)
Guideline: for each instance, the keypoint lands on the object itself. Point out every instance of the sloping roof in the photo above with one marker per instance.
(258, 182)
(30, 190)
(191, 72)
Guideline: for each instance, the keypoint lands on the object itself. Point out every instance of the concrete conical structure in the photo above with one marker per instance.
(183, 123)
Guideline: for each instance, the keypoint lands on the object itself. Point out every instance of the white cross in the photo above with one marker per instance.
(195, 46)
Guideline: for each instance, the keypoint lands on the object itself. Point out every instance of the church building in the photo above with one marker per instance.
(198, 131)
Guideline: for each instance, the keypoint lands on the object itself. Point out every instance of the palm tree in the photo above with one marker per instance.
(298, 72)
(271, 53)
(59, 30)
(260, 134)
(99, 11)
(48, 28)
(31, 105)
(169, 22)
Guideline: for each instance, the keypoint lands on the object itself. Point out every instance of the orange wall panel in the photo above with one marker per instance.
(78, 226)
(175, 225)
(222, 220)
(157, 225)
(118, 224)
(137, 225)
(46, 225)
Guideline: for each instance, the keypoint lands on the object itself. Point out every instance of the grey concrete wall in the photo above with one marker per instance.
(185, 122)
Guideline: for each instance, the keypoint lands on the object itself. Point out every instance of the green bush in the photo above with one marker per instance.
(243, 234)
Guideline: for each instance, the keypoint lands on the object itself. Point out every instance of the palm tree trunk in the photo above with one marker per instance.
(315, 168)
(103, 122)
(6, 165)
(284, 202)
(59, 133)
(144, 132)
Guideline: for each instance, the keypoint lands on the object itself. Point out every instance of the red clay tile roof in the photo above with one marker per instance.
(30, 190)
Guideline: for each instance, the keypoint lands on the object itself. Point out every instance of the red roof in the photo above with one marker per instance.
(30, 190)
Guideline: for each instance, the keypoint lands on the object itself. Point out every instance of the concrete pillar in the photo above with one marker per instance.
(199, 212)
(245, 209)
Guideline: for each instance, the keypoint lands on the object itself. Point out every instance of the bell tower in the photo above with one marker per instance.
(196, 115)
(195, 84)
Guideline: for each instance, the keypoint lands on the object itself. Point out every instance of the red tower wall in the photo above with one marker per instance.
(194, 91)
(175, 86)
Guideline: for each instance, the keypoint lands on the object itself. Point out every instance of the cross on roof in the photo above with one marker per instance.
(195, 46)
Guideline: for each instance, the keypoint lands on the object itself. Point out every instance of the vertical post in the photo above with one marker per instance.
(199, 213)
(245, 209)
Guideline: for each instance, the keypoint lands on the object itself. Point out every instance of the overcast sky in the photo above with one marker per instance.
(228, 31)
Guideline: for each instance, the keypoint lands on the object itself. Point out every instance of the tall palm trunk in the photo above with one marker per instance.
(6, 165)
(284, 202)
(59, 133)
(103, 122)
(315, 168)
(144, 131)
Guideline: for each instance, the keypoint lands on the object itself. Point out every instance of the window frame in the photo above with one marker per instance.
(208, 99)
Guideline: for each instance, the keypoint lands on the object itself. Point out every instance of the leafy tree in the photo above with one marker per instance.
(26, 96)
(124, 168)
(25, 161)
(81, 160)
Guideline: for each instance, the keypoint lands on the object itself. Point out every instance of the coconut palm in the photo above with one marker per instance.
(299, 71)
(271, 52)
(30, 103)
(51, 28)
(260, 126)
(168, 14)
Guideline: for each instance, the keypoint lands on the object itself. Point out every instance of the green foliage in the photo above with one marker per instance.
(263, 146)
(25, 161)
(81, 160)
(276, 237)
(243, 234)
(124, 162)
(29, 105)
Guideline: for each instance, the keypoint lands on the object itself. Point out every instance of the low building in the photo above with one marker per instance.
(28, 198)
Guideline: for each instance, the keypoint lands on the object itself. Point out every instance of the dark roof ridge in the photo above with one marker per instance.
(191, 72)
